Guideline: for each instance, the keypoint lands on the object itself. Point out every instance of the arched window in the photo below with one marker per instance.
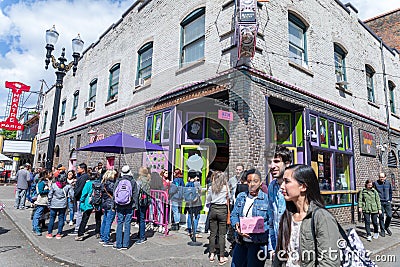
(369, 73)
(391, 95)
(145, 60)
(297, 40)
(193, 36)
(92, 90)
(114, 81)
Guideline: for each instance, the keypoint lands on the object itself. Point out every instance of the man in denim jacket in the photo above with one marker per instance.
(251, 251)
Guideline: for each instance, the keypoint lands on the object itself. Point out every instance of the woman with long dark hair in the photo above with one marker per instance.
(296, 244)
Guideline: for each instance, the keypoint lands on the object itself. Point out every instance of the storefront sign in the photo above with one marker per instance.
(11, 123)
(367, 143)
(225, 115)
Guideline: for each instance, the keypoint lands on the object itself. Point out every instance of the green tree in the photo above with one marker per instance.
(9, 134)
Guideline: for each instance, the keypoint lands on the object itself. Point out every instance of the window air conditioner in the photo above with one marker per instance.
(342, 83)
(139, 82)
(89, 105)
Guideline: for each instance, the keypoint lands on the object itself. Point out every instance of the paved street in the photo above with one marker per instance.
(158, 251)
(15, 248)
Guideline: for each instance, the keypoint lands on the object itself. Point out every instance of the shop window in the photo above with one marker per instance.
(216, 129)
(194, 129)
(391, 94)
(332, 134)
(323, 132)
(297, 40)
(193, 37)
(78, 140)
(347, 138)
(283, 124)
(92, 90)
(392, 160)
(340, 136)
(340, 67)
(75, 104)
(313, 134)
(157, 127)
(165, 128)
(145, 58)
(113, 83)
(370, 83)
(149, 128)
(71, 143)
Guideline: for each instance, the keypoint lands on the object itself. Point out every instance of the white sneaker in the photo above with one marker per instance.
(71, 223)
(376, 235)
(369, 238)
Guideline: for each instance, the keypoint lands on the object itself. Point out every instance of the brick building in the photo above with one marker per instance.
(170, 73)
(387, 26)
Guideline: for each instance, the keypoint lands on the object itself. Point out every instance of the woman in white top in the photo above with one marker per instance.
(217, 198)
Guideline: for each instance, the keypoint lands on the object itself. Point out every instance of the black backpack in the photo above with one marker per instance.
(97, 189)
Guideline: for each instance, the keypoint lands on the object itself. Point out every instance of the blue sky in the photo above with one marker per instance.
(23, 24)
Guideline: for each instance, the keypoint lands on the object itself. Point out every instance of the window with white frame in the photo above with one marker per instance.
(92, 90)
(75, 104)
(193, 37)
(370, 83)
(391, 94)
(44, 121)
(297, 41)
(340, 67)
(145, 59)
(63, 107)
(114, 81)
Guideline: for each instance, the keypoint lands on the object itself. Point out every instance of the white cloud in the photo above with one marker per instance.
(371, 8)
(25, 24)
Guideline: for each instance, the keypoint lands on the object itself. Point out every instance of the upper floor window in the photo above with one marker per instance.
(63, 107)
(391, 94)
(193, 36)
(44, 122)
(340, 67)
(75, 104)
(92, 90)
(114, 81)
(370, 83)
(297, 41)
(145, 56)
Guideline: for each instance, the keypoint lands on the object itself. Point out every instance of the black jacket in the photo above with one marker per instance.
(107, 201)
(80, 183)
(135, 193)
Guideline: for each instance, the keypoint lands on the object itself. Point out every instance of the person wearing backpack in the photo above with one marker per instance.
(176, 196)
(82, 177)
(108, 206)
(96, 200)
(370, 205)
(58, 197)
(144, 201)
(41, 202)
(193, 201)
(126, 200)
(85, 206)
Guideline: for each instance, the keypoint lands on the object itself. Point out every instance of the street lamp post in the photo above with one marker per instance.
(61, 69)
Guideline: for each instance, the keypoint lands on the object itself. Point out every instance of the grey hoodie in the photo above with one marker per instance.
(58, 196)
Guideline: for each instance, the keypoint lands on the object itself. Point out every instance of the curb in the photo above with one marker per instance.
(38, 248)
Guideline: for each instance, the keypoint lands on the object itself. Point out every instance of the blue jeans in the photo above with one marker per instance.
(36, 217)
(124, 217)
(71, 210)
(175, 211)
(53, 214)
(142, 222)
(79, 214)
(105, 228)
(196, 222)
(20, 198)
(247, 254)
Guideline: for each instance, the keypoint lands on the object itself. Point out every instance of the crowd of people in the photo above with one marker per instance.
(259, 221)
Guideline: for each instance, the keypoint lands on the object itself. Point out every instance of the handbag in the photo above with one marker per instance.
(228, 216)
(351, 248)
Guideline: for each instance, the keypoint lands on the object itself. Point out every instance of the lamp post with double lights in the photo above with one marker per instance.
(61, 70)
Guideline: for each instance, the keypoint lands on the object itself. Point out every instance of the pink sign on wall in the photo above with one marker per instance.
(225, 115)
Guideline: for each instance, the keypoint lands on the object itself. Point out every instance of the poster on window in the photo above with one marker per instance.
(323, 129)
(332, 134)
(157, 128)
(313, 129)
(194, 126)
(156, 160)
(283, 125)
(340, 136)
(216, 129)
(149, 128)
(165, 128)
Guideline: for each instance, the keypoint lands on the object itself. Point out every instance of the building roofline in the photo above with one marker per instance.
(382, 15)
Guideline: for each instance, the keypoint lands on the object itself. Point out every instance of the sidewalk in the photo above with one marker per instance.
(158, 251)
